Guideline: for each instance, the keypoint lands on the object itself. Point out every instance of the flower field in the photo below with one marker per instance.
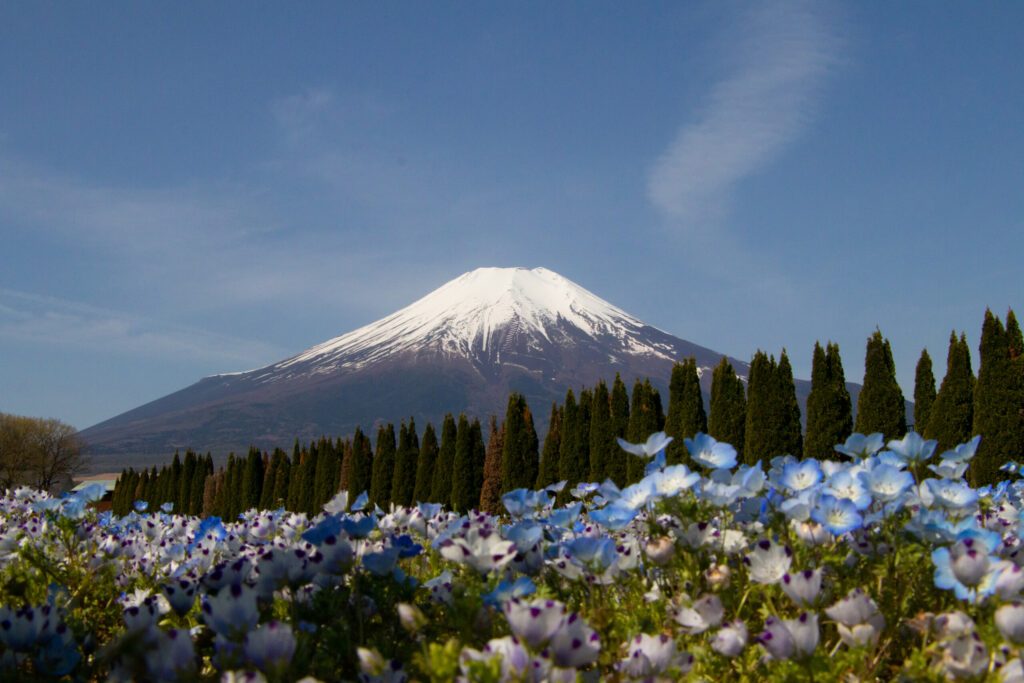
(883, 564)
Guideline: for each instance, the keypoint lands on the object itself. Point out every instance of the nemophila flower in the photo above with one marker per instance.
(270, 646)
(440, 587)
(534, 622)
(516, 662)
(810, 533)
(1010, 622)
(859, 446)
(709, 453)
(955, 496)
(142, 612)
(768, 562)
(731, 639)
(805, 632)
(566, 516)
(886, 483)
(358, 527)
(913, 448)
(705, 612)
(325, 528)
(140, 505)
(574, 643)
(232, 611)
(949, 469)
(660, 550)
(481, 548)
(381, 562)
(777, 639)
(649, 657)
(845, 484)
(375, 669)
(172, 657)
(719, 494)
(857, 618)
(180, 594)
(802, 587)
(508, 590)
(1010, 581)
(968, 571)
(638, 495)
(798, 476)
(837, 515)
(655, 444)
(595, 553)
(615, 516)
(673, 480)
(964, 656)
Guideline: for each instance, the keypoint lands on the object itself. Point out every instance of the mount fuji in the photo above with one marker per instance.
(463, 347)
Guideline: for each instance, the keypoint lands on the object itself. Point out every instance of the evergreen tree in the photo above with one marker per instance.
(547, 474)
(479, 454)
(601, 439)
(403, 486)
(294, 499)
(615, 464)
(952, 415)
(569, 461)
(462, 470)
(267, 499)
(924, 391)
(583, 424)
(519, 457)
(758, 442)
(282, 480)
(490, 492)
(361, 474)
(787, 410)
(441, 487)
(425, 466)
(184, 492)
(829, 409)
(252, 486)
(998, 398)
(880, 406)
(383, 466)
(645, 418)
(686, 415)
(327, 475)
(307, 493)
(728, 418)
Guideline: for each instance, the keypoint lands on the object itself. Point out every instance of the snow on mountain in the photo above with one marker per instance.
(474, 316)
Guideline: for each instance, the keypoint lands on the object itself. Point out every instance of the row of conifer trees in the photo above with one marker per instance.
(762, 419)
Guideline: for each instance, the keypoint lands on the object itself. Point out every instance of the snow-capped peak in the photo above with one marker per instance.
(473, 314)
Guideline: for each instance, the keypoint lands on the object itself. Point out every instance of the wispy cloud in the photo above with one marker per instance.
(39, 319)
(776, 58)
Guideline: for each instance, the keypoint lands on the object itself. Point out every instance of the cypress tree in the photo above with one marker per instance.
(686, 415)
(758, 429)
(952, 415)
(252, 485)
(267, 500)
(601, 440)
(327, 466)
(547, 474)
(880, 406)
(361, 469)
(462, 470)
(569, 461)
(787, 409)
(403, 485)
(583, 424)
(519, 457)
(490, 492)
(307, 493)
(383, 466)
(441, 487)
(425, 466)
(479, 454)
(829, 409)
(728, 418)
(615, 465)
(184, 491)
(645, 418)
(924, 391)
(282, 480)
(294, 499)
(998, 398)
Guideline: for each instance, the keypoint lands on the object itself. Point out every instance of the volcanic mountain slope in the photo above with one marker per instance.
(463, 347)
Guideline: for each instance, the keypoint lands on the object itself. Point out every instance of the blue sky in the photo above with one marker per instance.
(192, 188)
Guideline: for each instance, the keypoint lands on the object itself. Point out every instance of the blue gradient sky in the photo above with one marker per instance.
(192, 188)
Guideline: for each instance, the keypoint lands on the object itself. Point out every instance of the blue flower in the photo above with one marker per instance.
(508, 590)
(797, 476)
(360, 502)
(328, 527)
(913, 448)
(886, 483)
(614, 516)
(837, 515)
(708, 452)
(843, 484)
(358, 528)
(655, 444)
(963, 452)
(859, 446)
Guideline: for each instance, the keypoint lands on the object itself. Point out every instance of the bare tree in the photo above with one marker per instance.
(40, 452)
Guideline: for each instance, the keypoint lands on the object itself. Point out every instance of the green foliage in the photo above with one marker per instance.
(547, 473)
(570, 463)
(645, 418)
(383, 466)
(361, 474)
(686, 414)
(829, 410)
(616, 463)
(441, 488)
(924, 391)
(602, 443)
(998, 398)
(880, 405)
(403, 484)
(727, 421)
(519, 459)
(464, 496)
(952, 415)
(425, 465)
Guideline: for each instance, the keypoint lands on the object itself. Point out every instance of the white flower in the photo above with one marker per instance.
(730, 640)
(768, 562)
(706, 612)
(1010, 622)
(651, 656)
(535, 621)
(802, 587)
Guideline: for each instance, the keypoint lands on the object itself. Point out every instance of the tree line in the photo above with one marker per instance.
(760, 416)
